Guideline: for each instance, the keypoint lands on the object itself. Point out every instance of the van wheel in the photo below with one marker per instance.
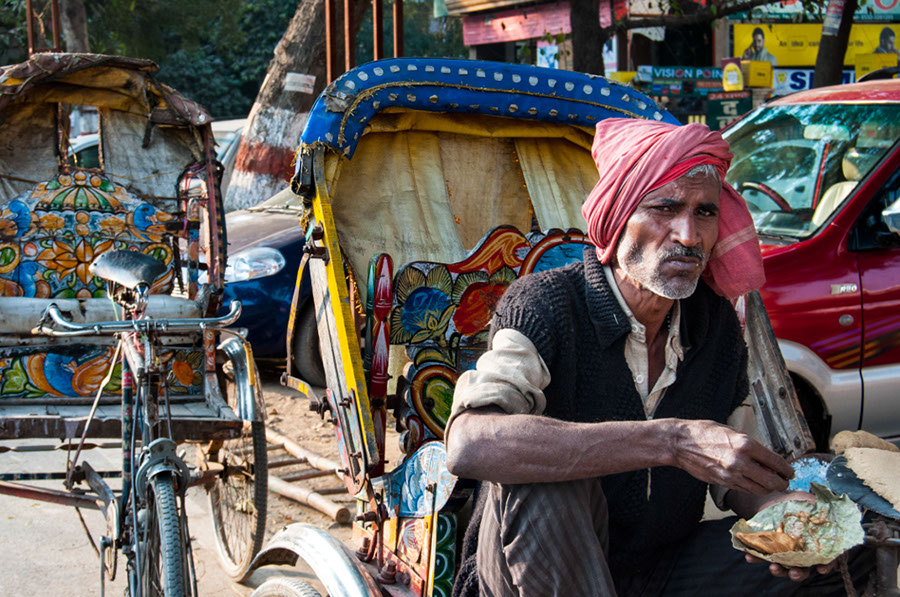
(307, 358)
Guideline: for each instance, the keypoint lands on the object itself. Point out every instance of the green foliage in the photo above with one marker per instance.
(154, 28)
(424, 35)
(214, 51)
(217, 51)
(13, 32)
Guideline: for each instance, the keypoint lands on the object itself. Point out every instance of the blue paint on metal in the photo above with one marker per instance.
(421, 485)
(341, 114)
(560, 256)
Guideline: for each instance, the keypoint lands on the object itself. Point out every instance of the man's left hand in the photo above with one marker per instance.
(795, 574)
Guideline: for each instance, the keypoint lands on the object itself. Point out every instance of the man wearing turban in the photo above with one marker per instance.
(613, 392)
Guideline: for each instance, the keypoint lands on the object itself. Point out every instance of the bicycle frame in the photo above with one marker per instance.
(141, 418)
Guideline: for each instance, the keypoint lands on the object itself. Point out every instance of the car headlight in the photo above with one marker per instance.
(257, 262)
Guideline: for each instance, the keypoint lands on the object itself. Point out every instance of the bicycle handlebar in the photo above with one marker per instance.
(137, 325)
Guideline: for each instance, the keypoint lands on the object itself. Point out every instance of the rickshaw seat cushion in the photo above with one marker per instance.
(19, 315)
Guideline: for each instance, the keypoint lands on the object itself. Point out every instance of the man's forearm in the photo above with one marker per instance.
(534, 449)
(488, 445)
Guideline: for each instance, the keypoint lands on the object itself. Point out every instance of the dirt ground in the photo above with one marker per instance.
(288, 414)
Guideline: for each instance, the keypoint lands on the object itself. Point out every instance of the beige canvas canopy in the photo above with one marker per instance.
(143, 124)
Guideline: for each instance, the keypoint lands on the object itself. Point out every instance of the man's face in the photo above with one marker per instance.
(668, 239)
(889, 43)
(759, 42)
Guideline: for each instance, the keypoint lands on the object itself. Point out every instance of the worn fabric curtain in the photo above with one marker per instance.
(427, 187)
(137, 168)
(559, 175)
(27, 148)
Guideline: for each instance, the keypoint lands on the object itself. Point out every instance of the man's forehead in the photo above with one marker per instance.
(686, 186)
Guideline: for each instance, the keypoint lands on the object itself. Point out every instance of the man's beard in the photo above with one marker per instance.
(649, 275)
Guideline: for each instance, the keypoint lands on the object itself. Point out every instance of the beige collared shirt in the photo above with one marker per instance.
(512, 376)
(637, 352)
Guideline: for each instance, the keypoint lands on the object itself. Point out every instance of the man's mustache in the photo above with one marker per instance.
(682, 251)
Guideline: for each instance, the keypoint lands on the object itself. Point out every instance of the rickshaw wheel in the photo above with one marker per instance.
(165, 567)
(282, 586)
(306, 353)
(238, 498)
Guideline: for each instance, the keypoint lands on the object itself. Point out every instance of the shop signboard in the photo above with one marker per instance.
(789, 80)
(724, 107)
(515, 25)
(792, 10)
(681, 80)
(798, 44)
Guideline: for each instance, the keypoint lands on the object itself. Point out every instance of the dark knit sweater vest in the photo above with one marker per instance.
(579, 329)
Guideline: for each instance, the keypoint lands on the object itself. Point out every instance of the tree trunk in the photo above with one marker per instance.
(588, 38)
(276, 121)
(833, 44)
(73, 23)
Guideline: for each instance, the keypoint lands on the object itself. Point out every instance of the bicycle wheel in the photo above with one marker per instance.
(238, 498)
(164, 569)
(282, 586)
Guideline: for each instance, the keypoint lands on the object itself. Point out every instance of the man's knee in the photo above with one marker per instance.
(552, 534)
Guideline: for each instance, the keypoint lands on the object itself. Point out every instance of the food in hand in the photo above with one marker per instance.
(776, 541)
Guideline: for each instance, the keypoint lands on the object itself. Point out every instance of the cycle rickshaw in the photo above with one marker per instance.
(429, 186)
(111, 272)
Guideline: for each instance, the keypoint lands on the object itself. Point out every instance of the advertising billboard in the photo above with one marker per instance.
(793, 10)
(786, 45)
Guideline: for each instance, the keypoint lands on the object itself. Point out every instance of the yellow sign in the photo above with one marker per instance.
(623, 76)
(798, 44)
(732, 77)
(866, 63)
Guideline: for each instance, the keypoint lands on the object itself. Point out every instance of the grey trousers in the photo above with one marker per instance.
(550, 539)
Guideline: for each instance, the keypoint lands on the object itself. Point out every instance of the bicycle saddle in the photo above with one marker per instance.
(128, 268)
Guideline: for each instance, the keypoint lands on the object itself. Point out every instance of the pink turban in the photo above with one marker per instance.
(635, 157)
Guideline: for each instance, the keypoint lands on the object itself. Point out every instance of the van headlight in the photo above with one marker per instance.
(256, 262)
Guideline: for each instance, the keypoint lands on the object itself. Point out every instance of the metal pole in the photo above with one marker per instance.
(349, 54)
(30, 25)
(329, 41)
(54, 19)
(398, 28)
(377, 30)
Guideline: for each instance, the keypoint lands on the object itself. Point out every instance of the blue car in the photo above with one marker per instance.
(265, 245)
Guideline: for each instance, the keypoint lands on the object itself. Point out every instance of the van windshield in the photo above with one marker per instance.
(796, 165)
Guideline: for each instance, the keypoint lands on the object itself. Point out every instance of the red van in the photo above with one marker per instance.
(818, 169)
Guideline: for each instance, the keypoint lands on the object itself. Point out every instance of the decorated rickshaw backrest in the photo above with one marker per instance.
(50, 234)
(466, 212)
(441, 313)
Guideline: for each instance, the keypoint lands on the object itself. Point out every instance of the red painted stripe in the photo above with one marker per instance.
(261, 158)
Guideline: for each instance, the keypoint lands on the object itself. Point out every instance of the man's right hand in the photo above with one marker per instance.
(719, 455)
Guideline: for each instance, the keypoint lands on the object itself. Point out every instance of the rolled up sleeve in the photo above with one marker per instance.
(510, 376)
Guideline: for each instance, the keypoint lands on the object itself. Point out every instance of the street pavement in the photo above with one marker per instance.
(45, 550)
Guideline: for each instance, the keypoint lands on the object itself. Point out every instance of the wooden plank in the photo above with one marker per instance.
(306, 474)
(342, 335)
(22, 427)
(310, 498)
(292, 447)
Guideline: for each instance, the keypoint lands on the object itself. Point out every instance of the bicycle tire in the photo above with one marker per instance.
(164, 570)
(283, 586)
(238, 502)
